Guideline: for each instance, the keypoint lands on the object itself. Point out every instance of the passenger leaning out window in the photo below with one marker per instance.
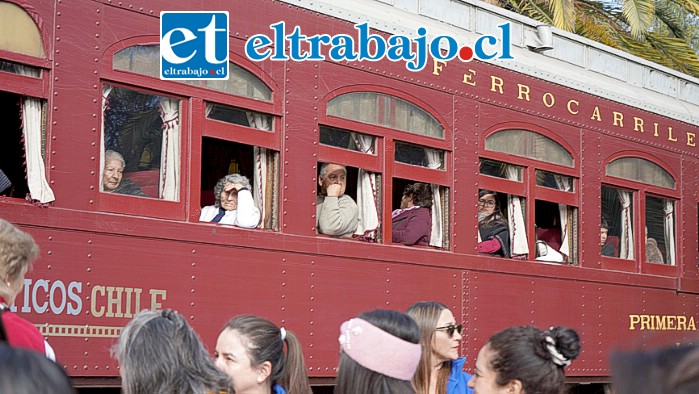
(234, 203)
(494, 234)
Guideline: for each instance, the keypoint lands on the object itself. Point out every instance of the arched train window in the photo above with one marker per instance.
(654, 239)
(549, 232)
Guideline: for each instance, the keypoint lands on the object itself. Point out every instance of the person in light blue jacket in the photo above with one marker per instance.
(441, 369)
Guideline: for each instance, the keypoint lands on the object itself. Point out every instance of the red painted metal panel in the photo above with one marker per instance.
(311, 283)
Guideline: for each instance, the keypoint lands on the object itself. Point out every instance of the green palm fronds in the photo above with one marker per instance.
(661, 31)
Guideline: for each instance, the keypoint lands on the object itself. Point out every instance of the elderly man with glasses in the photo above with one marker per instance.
(336, 213)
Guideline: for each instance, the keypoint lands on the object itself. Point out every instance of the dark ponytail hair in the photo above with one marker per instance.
(534, 357)
(265, 343)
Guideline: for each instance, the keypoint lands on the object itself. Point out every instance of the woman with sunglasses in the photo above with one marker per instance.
(493, 231)
(440, 368)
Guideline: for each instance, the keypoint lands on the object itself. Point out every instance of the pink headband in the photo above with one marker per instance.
(379, 351)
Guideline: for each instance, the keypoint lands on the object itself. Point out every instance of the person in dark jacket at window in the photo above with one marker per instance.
(492, 225)
(607, 247)
(412, 223)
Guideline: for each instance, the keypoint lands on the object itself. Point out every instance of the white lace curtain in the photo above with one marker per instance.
(265, 172)
(670, 231)
(564, 183)
(39, 188)
(434, 160)
(515, 219)
(106, 90)
(367, 198)
(171, 150)
(627, 243)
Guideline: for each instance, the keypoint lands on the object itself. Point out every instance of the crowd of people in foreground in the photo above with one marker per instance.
(381, 351)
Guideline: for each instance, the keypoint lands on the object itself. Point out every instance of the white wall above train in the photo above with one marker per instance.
(574, 61)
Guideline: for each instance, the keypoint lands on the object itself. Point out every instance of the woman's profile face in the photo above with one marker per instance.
(444, 346)
(483, 379)
(231, 357)
(486, 204)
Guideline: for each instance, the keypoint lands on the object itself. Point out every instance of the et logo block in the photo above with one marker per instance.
(193, 45)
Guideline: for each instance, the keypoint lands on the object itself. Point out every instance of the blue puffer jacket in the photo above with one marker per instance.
(277, 389)
(458, 379)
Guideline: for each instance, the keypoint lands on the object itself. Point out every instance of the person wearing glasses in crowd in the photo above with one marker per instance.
(412, 223)
(493, 231)
(441, 369)
(379, 352)
(234, 203)
(525, 360)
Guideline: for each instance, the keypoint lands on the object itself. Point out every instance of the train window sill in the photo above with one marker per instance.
(659, 269)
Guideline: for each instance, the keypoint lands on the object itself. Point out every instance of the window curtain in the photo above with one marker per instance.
(670, 232)
(39, 189)
(171, 151)
(564, 183)
(627, 243)
(265, 177)
(367, 196)
(518, 231)
(106, 90)
(434, 160)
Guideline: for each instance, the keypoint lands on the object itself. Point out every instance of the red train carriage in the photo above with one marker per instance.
(565, 146)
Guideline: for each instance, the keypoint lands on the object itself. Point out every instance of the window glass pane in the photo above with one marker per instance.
(501, 170)
(418, 155)
(640, 170)
(224, 113)
(617, 214)
(660, 230)
(142, 144)
(19, 31)
(555, 181)
(530, 145)
(16, 68)
(145, 59)
(384, 110)
(350, 140)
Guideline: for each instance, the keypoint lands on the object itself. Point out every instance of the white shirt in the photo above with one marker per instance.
(246, 215)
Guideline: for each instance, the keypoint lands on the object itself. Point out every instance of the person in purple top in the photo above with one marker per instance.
(412, 223)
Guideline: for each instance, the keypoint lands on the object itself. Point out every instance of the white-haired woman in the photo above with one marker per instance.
(234, 203)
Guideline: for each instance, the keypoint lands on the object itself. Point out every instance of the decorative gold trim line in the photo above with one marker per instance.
(86, 331)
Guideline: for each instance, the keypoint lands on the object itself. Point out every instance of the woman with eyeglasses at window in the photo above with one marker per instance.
(441, 369)
(493, 231)
(234, 203)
